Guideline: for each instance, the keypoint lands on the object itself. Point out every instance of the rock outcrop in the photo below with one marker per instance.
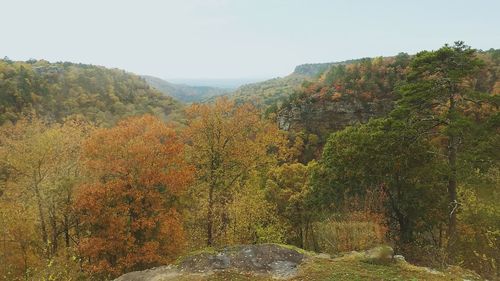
(270, 260)
(324, 117)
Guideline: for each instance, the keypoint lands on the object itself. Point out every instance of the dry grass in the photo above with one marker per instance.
(343, 236)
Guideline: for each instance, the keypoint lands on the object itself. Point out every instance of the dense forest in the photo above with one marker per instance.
(98, 178)
(58, 91)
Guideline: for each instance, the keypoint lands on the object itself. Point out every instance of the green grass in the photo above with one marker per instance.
(206, 250)
(347, 269)
(297, 249)
(358, 270)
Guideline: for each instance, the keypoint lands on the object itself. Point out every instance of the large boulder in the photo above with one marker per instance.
(277, 261)
(265, 259)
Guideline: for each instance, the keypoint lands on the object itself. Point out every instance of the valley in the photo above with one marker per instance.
(105, 173)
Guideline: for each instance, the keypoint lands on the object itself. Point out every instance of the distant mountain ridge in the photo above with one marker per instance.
(312, 69)
(182, 92)
(316, 69)
(270, 92)
(224, 83)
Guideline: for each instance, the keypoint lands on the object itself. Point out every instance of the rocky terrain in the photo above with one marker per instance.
(279, 262)
(267, 260)
(322, 117)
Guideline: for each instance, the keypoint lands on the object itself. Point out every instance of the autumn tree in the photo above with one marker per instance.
(288, 186)
(39, 163)
(227, 142)
(252, 217)
(127, 207)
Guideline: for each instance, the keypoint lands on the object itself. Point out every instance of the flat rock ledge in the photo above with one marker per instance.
(273, 260)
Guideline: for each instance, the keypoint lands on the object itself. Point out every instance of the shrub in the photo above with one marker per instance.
(478, 246)
(335, 236)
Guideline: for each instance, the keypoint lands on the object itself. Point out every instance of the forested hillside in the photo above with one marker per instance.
(356, 92)
(269, 92)
(185, 93)
(272, 92)
(60, 90)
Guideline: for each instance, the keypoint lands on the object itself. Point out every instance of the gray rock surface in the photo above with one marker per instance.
(162, 273)
(399, 258)
(330, 116)
(265, 259)
(247, 258)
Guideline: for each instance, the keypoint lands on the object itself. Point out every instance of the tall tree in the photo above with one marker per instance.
(226, 142)
(288, 186)
(127, 208)
(440, 96)
(39, 163)
(382, 156)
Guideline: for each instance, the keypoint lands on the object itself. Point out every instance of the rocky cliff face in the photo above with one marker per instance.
(312, 69)
(322, 117)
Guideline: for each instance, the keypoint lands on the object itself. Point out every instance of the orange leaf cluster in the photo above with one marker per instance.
(128, 208)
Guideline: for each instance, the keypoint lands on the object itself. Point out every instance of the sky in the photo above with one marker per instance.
(236, 39)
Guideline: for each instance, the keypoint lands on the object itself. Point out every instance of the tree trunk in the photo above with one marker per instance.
(210, 212)
(24, 253)
(4, 260)
(306, 236)
(405, 230)
(66, 216)
(301, 237)
(452, 178)
(314, 240)
(53, 229)
(43, 226)
(66, 231)
(301, 227)
(452, 190)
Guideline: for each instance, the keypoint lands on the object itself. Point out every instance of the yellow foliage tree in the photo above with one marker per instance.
(39, 164)
(226, 143)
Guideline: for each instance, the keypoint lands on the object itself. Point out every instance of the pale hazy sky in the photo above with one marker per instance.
(236, 38)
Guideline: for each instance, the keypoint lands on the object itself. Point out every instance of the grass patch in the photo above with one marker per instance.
(349, 267)
(206, 250)
(358, 270)
(296, 249)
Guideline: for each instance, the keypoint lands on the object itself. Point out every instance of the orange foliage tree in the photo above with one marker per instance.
(127, 207)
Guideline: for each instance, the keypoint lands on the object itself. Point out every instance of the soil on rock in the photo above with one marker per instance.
(159, 273)
(269, 261)
(273, 260)
(265, 259)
